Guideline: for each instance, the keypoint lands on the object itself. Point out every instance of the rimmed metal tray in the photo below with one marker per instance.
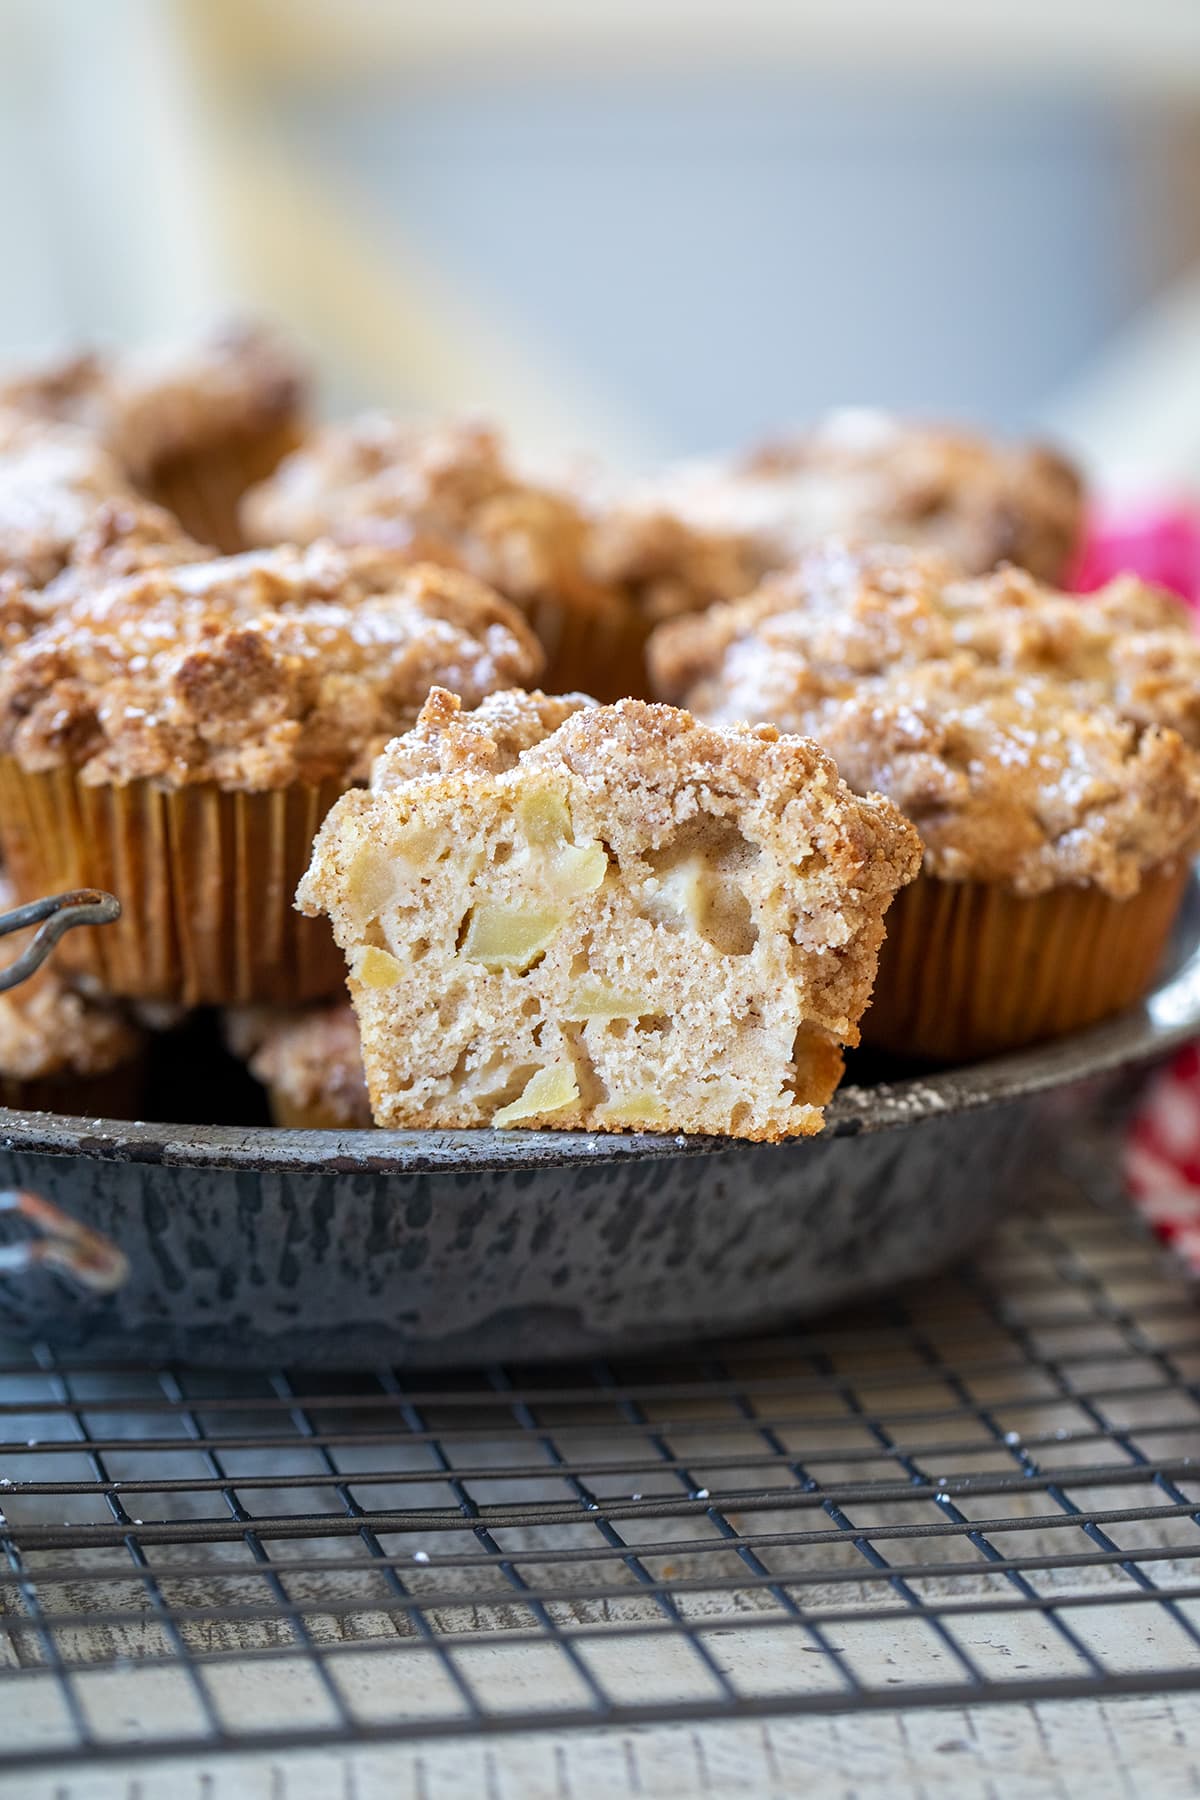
(255, 1246)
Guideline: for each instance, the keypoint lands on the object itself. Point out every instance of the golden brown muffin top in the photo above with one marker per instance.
(253, 671)
(66, 510)
(47, 1029)
(668, 564)
(149, 406)
(866, 474)
(846, 611)
(448, 491)
(1018, 778)
(313, 1061)
(1033, 738)
(673, 766)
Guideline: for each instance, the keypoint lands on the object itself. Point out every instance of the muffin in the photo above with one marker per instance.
(192, 426)
(310, 1063)
(451, 492)
(59, 1051)
(565, 915)
(177, 736)
(859, 475)
(1046, 749)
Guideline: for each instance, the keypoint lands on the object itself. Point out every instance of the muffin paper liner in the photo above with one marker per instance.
(205, 879)
(204, 490)
(596, 649)
(969, 969)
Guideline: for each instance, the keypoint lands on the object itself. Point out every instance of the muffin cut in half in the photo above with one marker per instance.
(563, 915)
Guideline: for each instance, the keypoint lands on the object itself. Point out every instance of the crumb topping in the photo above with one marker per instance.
(446, 491)
(149, 406)
(68, 516)
(1032, 737)
(868, 475)
(253, 671)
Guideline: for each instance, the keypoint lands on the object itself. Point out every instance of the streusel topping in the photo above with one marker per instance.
(449, 491)
(845, 612)
(66, 509)
(313, 1062)
(865, 474)
(148, 406)
(1030, 736)
(254, 671)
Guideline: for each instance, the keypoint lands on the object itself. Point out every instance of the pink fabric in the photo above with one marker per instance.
(1161, 543)
(1162, 1157)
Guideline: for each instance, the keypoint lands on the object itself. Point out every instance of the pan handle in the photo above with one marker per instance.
(56, 914)
(60, 1243)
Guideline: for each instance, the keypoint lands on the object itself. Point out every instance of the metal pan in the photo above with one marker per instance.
(223, 1244)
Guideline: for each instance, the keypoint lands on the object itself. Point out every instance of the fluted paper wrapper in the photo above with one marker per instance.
(205, 878)
(597, 650)
(205, 490)
(969, 969)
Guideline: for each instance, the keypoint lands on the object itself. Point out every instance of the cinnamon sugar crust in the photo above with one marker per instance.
(253, 671)
(68, 515)
(449, 492)
(1033, 738)
(861, 475)
(151, 406)
(607, 918)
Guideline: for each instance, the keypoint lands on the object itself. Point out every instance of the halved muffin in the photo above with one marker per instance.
(609, 918)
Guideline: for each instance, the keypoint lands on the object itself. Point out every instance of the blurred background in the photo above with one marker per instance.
(643, 226)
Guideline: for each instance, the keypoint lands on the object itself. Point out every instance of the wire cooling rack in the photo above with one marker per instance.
(986, 1489)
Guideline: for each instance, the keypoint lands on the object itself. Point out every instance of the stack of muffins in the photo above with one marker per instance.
(216, 622)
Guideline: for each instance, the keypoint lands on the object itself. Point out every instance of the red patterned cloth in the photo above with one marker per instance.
(1162, 1157)
(1162, 1153)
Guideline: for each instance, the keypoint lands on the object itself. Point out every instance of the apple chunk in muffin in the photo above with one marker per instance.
(564, 915)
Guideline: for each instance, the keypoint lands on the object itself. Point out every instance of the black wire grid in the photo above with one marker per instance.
(986, 1490)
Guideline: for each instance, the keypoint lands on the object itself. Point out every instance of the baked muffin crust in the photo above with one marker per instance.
(66, 506)
(150, 406)
(447, 491)
(253, 671)
(605, 917)
(866, 474)
(1033, 738)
